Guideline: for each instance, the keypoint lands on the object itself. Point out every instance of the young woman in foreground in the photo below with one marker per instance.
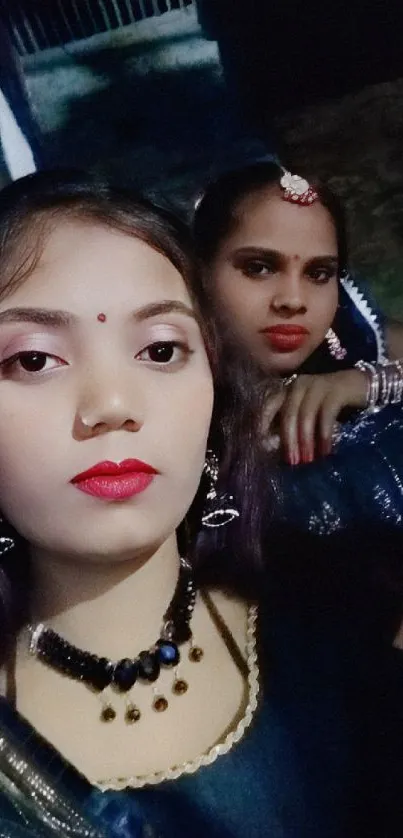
(139, 696)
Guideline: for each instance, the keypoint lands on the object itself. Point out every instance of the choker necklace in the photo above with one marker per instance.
(100, 674)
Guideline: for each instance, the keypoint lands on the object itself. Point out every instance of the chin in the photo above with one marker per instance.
(100, 546)
(121, 545)
(286, 364)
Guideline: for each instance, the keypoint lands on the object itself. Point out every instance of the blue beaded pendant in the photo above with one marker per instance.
(168, 652)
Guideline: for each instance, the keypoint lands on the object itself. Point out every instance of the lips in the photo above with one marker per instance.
(115, 481)
(285, 337)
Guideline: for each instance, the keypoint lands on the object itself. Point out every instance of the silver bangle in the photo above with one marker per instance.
(385, 382)
(373, 382)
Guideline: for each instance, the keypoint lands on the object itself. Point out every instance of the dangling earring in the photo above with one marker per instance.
(336, 350)
(219, 509)
(6, 543)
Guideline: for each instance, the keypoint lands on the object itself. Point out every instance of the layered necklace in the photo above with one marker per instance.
(105, 677)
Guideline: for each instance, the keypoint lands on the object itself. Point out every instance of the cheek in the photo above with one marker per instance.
(192, 412)
(24, 473)
(180, 442)
(323, 309)
(182, 424)
(33, 453)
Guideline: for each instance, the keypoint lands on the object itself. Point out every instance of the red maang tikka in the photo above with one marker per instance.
(297, 190)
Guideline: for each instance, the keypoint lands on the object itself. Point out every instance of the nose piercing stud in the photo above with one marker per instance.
(101, 317)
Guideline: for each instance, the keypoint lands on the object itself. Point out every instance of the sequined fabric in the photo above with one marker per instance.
(362, 481)
(34, 800)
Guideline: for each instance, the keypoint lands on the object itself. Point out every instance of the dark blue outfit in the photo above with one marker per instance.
(362, 481)
(295, 774)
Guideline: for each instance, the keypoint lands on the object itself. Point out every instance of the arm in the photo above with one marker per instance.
(394, 339)
(308, 410)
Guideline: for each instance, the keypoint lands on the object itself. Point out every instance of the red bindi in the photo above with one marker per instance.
(101, 317)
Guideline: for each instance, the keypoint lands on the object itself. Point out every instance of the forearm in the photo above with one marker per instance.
(394, 339)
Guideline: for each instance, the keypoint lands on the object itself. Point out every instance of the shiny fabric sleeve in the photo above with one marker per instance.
(361, 482)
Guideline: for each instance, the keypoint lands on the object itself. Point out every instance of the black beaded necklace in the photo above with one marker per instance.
(99, 673)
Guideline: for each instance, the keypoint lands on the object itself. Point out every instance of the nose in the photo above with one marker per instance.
(107, 404)
(288, 298)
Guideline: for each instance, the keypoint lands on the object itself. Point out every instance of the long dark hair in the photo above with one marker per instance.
(28, 208)
(216, 210)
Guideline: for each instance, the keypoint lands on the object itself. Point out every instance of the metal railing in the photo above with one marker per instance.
(36, 25)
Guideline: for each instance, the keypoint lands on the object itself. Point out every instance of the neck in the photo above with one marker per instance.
(111, 609)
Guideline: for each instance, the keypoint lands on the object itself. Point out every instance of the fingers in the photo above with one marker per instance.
(327, 421)
(289, 421)
(308, 419)
(311, 408)
(272, 407)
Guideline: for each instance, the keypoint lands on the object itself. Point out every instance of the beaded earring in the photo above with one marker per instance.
(219, 509)
(337, 351)
(6, 542)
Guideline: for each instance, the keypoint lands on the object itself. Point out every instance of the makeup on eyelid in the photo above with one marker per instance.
(16, 344)
(163, 331)
(148, 336)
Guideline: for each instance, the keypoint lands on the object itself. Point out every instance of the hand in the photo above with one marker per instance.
(307, 411)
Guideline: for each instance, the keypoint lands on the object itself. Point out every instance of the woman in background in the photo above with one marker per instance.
(275, 258)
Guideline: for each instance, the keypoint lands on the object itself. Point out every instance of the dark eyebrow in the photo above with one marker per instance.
(268, 253)
(50, 317)
(164, 307)
(320, 260)
(43, 316)
(256, 252)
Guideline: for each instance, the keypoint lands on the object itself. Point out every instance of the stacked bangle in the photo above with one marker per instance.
(385, 382)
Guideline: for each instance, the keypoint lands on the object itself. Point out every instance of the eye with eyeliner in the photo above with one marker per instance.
(165, 355)
(28, 363)
(256, 268)
(321, 274)
(165, 347)
(162, 347)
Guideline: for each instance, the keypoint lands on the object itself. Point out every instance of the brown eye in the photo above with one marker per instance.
(32, 361)
(161, 353)
(257, 270)
(164, 352)
(321, 275)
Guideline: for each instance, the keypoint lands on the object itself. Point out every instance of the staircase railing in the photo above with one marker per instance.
(37, 25)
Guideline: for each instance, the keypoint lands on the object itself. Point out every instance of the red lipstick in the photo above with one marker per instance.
(285, 337)
(115, 481)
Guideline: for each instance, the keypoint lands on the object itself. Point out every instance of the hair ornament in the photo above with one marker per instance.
(297, 190)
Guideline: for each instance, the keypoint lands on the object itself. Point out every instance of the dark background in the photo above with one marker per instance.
(165, 93)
